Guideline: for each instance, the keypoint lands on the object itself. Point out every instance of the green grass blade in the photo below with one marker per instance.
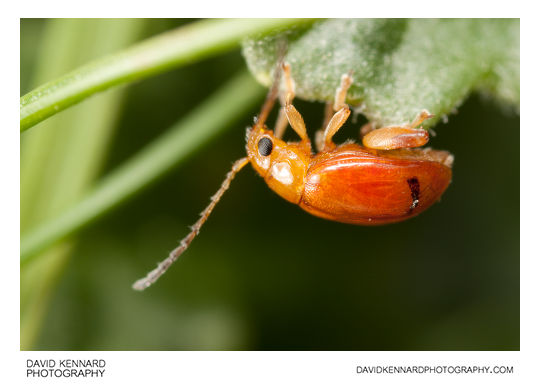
(183, 139)
(59, 164)
(155, 55)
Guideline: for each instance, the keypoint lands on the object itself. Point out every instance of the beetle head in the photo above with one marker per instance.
(282, 165)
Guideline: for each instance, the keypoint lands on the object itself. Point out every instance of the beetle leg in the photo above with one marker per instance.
(337, 121)
(333, 123)
(419, 119)
(395, 137)
(341, 92)
(319, 135)
(270, 100)
(399, 136)
(281, 123)
(296, 120)
(292, 114)
(289, 82)
(443, 157)
(366, 128)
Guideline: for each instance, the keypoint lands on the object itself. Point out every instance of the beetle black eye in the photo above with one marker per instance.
(265, 146)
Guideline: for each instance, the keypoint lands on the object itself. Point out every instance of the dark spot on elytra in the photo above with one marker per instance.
(414, 186)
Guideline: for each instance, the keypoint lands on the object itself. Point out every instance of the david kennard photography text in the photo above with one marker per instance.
(65, 368)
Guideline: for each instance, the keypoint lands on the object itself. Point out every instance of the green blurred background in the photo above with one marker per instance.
(263, 274)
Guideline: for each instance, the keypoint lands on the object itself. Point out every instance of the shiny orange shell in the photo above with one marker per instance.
(353, 184)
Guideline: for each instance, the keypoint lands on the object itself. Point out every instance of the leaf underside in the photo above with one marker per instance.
(399, 66)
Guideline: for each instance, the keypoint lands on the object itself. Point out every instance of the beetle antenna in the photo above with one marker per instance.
(162, 267)
(274, 89)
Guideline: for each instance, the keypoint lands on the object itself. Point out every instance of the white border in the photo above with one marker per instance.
(278, 367)
(274, 366)
(275, 8)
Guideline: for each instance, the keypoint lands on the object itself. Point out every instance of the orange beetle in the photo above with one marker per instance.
(385, 180)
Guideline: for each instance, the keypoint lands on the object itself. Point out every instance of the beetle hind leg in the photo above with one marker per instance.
(395, 137)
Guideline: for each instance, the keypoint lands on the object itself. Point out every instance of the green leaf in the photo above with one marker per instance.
(399, 66)
(156, 55)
